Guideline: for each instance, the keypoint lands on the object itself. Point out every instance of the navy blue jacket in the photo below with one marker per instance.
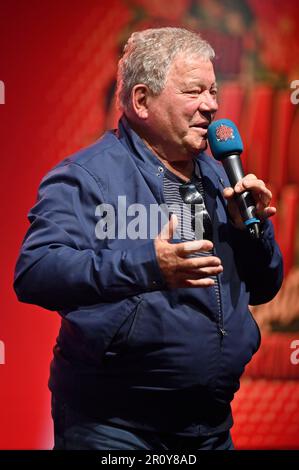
(130, 350)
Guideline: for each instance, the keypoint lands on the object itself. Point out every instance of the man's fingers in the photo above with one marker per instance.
(187, 248)
(260, 193)
(245, 182)
(206, 282)
(201, 273)
(269, 211)
(228, 192)
(257, 188)
(210, 271)
(189, 264)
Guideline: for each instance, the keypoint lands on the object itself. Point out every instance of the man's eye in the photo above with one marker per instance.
(213, 92)
(193, 92)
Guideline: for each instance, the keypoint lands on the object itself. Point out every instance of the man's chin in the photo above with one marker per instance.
(204, 146)
(198, 147)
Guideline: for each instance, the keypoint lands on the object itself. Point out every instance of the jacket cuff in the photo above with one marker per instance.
(144, 263)
(265, 244)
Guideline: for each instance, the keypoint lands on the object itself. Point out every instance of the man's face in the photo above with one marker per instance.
(178, 118)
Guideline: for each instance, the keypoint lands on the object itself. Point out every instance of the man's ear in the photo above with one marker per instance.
(140, 95)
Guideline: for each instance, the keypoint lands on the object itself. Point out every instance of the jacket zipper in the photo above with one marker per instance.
(221, 329)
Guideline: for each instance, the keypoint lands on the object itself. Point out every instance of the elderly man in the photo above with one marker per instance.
(155, 329)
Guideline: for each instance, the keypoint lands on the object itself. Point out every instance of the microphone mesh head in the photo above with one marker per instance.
(224, 139)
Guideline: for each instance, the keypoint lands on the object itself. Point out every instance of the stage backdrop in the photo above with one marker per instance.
(57, 80)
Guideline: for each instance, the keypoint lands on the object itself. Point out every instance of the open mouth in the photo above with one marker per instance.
(202, 128)
(203, 125)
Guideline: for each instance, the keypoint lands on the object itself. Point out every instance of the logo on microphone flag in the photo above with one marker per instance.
(224, 133)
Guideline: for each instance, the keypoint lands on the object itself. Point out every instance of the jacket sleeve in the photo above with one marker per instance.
(259, 263)
(62, 264)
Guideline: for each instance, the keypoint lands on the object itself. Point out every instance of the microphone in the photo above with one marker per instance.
(226, 146)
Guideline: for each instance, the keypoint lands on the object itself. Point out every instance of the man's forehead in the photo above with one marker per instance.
(189, 59)
(191, 68)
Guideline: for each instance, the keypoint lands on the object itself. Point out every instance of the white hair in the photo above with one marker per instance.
(148, 56)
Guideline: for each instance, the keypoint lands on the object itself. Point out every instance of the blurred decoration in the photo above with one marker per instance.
(266, 414)
(266, 408)
(282, 313)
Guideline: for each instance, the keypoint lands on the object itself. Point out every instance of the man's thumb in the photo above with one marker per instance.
(228, 193)
(168, 231)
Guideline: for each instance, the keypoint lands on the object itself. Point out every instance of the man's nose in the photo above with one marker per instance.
(208, 102)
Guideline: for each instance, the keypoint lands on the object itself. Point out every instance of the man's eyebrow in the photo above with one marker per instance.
(200, 83)
(201, 86)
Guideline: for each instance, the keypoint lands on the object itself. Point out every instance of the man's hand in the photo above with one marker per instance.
(178, 268)
(260, 193)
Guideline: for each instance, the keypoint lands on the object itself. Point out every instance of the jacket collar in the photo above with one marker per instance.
(138, 148)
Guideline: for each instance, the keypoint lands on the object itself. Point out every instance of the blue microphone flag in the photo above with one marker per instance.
(224, 139)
